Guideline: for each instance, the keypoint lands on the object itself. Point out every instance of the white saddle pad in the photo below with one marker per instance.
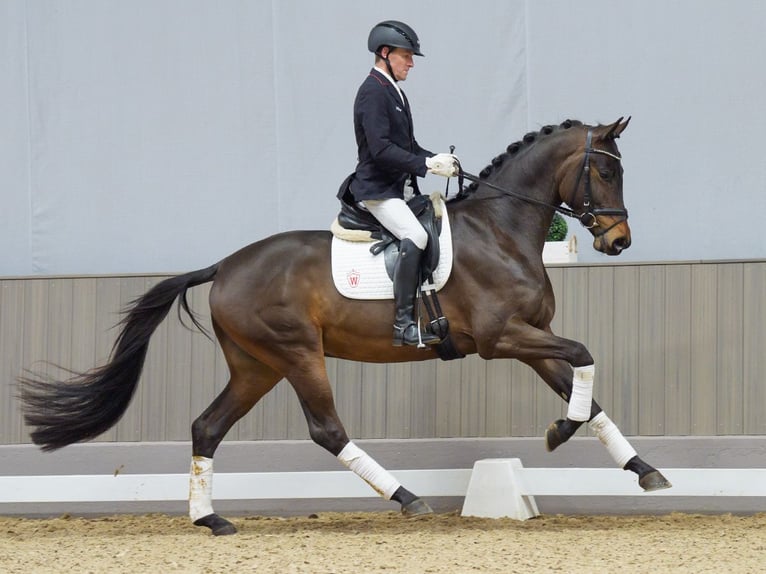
(358, 274)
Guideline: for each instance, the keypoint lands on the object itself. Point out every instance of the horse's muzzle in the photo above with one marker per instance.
(615, 240)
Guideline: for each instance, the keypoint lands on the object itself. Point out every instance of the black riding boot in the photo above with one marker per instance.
(406, 279)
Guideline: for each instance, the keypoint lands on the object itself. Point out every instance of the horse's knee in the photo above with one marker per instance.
(581, 357)
(329, 436)
(205, 439)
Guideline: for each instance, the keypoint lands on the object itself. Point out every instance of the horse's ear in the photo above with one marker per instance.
(613, 131)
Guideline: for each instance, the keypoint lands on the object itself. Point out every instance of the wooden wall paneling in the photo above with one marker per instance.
(651, 345)
(500, 400)
(398, 400)
(625, 345)
(448, 405)
(275, 405)
(573, 304)
(678, 350)
(423, 400)
(84, 320)
(754, 348)
(374, 403)
(523, 407)
(58, 322)
(730, 395)
(704, 366)
(13, 325)
(473, 396)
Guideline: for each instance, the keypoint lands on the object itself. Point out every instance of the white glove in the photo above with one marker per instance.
(444, 164)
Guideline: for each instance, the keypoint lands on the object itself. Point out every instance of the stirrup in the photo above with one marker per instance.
(412, 336)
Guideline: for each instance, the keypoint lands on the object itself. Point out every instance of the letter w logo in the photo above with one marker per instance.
(353, 278)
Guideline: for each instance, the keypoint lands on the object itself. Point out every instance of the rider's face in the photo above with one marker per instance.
(401, 62)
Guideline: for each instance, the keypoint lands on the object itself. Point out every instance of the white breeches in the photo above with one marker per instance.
(394, 215)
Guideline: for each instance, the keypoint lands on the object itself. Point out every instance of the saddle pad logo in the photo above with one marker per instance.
(353, 278)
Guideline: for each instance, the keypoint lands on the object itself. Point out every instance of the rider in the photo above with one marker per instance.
(389, 159)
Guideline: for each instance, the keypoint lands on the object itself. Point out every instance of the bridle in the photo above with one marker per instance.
(588, 217)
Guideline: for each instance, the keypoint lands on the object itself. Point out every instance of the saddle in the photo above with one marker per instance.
(356, 224)
(355, 219)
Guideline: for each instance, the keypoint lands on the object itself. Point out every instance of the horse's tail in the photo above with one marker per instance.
(87, 404)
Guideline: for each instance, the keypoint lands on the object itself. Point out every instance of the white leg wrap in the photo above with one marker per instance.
(373, 474)
(582, 393)
(616, 444)
(201, 487)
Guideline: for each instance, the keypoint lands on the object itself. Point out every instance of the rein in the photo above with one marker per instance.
(588, 217)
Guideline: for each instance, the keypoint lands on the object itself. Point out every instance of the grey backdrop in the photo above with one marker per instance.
(159, 136)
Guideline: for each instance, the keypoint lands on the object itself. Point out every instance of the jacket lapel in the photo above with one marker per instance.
(394, 94)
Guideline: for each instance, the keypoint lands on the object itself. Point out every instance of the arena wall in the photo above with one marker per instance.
(678, 348)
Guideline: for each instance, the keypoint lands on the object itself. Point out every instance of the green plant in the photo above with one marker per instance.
(558, 229)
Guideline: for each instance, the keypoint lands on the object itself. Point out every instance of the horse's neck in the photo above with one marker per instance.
(523, 219)
(536, 173)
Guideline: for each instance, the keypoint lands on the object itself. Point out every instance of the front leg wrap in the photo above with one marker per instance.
(582, 393)
(370, 471)
(611, 437)
(200, 488)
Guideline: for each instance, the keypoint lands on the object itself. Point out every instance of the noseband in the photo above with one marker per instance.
(588, 217)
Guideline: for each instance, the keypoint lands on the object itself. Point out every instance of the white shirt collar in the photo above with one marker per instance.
(393, 83)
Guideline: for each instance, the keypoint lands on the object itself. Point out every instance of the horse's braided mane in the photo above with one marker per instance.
(513, 149)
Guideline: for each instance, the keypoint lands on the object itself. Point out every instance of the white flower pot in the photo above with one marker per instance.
(560, 251)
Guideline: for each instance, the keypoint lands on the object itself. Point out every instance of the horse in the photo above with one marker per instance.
(277, 314)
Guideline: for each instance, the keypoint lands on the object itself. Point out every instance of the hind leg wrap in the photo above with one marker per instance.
(370, 471)
(200, 487)
(582, 393)
(611, 437)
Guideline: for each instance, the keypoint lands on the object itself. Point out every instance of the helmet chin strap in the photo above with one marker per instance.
(388, 65)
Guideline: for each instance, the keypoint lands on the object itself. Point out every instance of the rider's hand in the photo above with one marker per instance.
(445, 164)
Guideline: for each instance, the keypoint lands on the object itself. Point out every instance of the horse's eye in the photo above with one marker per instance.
(605, 174)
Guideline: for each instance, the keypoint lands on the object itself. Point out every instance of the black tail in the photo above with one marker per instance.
(87, 404)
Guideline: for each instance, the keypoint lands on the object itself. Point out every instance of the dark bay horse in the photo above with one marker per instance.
(277, 314)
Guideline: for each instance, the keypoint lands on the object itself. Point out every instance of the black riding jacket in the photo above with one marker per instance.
(387, 151)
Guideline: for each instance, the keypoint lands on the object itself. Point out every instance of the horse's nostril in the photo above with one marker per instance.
(621, 243)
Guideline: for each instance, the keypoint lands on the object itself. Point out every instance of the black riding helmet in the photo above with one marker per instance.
(394, 34)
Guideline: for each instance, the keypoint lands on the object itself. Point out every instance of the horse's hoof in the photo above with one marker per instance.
(654, 481)
(553, 438)
(218, 526)
(416, 508)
